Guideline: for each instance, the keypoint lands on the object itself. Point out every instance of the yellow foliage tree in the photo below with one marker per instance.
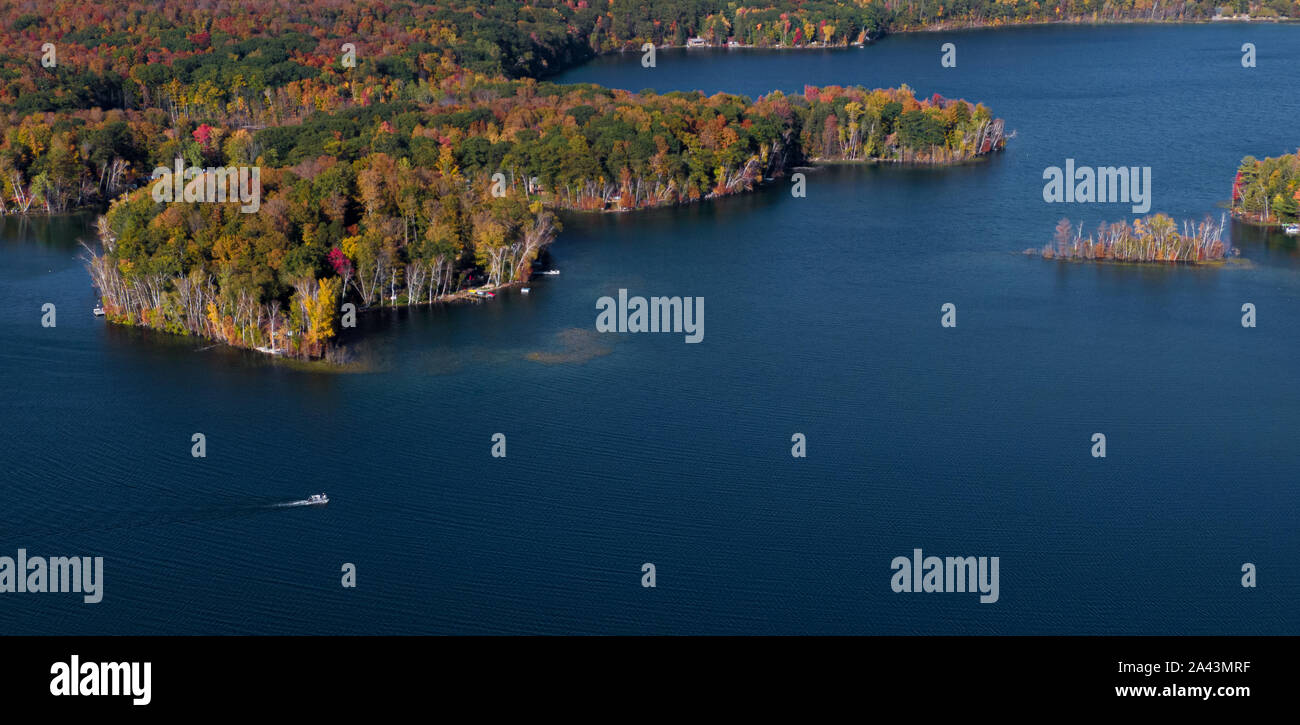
(322, 310)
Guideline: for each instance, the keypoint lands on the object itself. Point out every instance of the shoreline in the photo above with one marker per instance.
(462, 296)
(767, 182)
(1260, 224)
(942, 27)
(1225, 262)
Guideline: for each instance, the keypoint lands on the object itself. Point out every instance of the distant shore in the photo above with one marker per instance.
(980, 25)
(960, 25)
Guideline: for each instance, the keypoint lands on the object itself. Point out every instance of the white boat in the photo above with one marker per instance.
(524, 290)
(551, 271)
(98, 311)
(317, 499)
(1292, 230)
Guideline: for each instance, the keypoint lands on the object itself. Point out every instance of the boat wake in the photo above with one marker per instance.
(314, 500)
(97, 521)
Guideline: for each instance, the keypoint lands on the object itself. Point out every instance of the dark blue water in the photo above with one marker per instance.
(821, 317)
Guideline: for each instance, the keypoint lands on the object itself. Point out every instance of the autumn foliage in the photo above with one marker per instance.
(423, 162)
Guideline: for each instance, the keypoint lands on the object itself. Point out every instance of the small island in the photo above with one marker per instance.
(1154, 239)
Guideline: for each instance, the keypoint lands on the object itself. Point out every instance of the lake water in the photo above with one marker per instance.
(821, 317)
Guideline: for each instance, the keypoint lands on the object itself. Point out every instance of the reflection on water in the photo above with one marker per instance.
(575, 345)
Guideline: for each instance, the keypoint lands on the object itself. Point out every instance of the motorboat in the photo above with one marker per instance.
(318, 498)
(98, 311)
(550, 271)
(1292, 230)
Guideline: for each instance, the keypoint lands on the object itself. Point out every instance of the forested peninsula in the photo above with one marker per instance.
(1267, 191)
(412, 217)
(411, 151)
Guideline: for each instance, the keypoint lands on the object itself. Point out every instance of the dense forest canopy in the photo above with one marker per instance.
(1268, 190)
